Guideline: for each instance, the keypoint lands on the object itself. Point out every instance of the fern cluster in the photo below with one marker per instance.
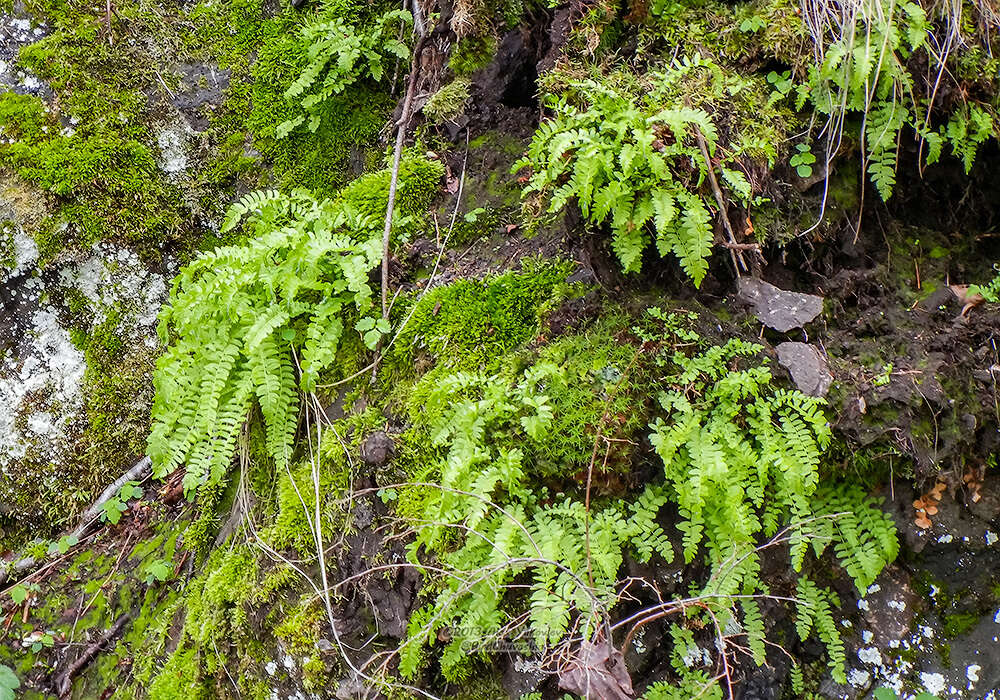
(256, 323)
(862, 70)
(240, 317)
(509, 527)
(741, 460)
(634, 162)
(741, 464)
(338, 56)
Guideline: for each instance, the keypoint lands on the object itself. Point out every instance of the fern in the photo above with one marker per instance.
(741, 460)
(339, 55)
(862, 70)
(512, 525)
(815, 611)
(966, 131)
(989, 291)
(635, 165)
(235, 314)
(257, 323)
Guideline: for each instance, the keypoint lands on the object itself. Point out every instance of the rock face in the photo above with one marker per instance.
(193, 96)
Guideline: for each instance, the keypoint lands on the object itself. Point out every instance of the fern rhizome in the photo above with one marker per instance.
(741, 468)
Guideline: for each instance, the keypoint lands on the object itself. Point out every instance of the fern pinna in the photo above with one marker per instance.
(255, 323)
(635, 163)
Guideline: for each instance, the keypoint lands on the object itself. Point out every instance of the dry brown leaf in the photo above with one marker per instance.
(968, 301)
(597, 672)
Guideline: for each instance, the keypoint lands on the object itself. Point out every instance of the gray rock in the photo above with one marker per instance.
(378, 449)
(807, 366)
(200, 92)
(776, 308)
(522, 676)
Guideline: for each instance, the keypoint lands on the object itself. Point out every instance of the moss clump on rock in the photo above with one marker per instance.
(475, 323)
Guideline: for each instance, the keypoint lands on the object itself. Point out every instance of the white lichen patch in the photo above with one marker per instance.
(18, 248)
(972, 673)
(115, 278)
(859, 678)
(44, 385)
(870, 655)
(174, 141)
(933, 683)
(42, 392)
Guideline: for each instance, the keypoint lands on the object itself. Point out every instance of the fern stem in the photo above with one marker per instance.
(734, 254)
(401, 129)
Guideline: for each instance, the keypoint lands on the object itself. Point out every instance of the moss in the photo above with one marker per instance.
(107, 185)
(265, 54)
(118, 396)
(200, 534)
(8, 258)
(478, 224)
(958, 623)
(448, 103)
(180, 679)
(300, 630)
(215, 621)
(471, 53)
(474, 323)
(418, 185)
(295, 492)
(484, 687)
(602, 374)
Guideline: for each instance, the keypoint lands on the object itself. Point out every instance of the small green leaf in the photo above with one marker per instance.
(288, 334)
(804, 171)
(158, 570)
(371, 339)
(8, 683)
(19, 594)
